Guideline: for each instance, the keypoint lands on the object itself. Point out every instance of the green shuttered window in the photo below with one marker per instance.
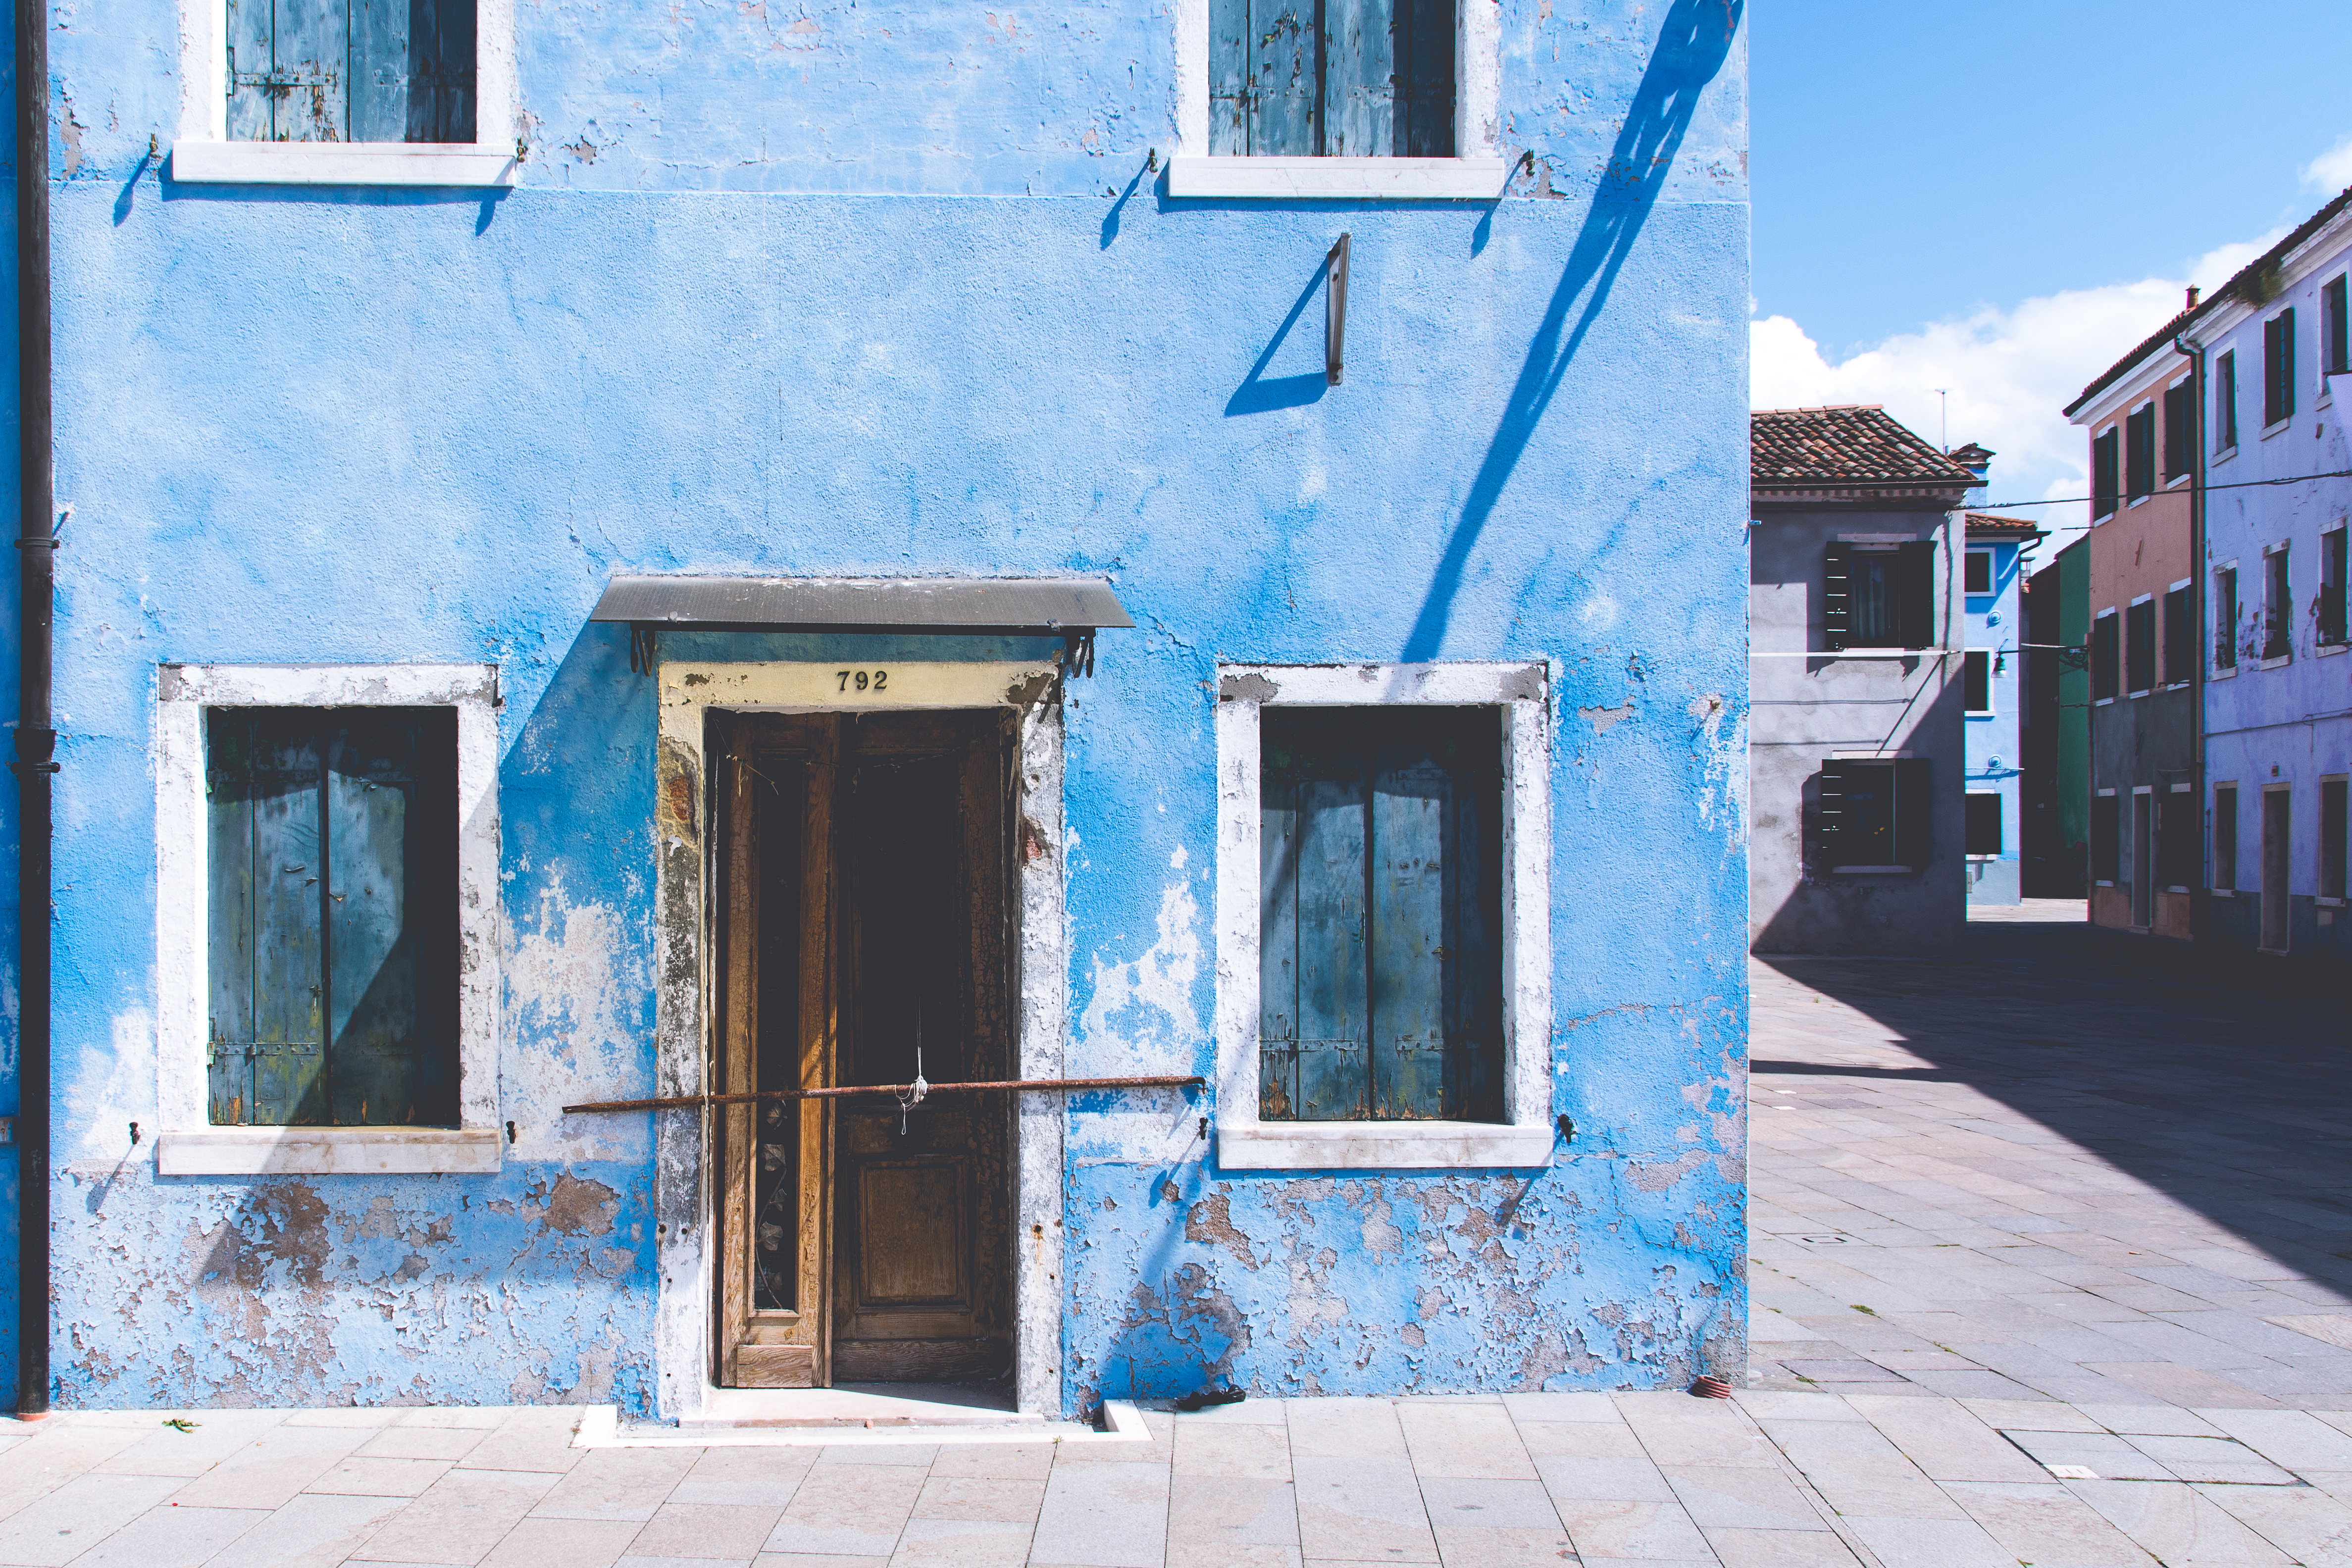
(1331, 79)
(351, 70)
(332, 941)
(1380, 901)
(1873, 814)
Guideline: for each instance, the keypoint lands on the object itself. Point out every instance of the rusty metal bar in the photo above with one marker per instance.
(1006, 1086)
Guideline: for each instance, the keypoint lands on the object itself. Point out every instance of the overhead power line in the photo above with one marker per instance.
(2241, 485)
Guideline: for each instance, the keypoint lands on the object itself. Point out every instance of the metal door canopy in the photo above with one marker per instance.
(1016, 606)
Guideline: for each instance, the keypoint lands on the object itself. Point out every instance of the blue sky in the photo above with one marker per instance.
(2001, 197)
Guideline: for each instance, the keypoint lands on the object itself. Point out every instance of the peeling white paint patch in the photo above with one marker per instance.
(1604, 719)
(106, 1098)
(1142, 1016)
(570, 978)
(1600, 613)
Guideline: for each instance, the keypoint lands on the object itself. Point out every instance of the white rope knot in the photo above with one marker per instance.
(918, 1090)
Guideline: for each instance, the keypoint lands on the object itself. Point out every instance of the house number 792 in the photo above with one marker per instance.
(875, 680)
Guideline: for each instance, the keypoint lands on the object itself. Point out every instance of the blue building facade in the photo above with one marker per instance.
(1992, 582)
(879, 326)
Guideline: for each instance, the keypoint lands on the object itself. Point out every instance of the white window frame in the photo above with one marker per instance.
(1476, 173)
(187, 1143)
(1525, 1136)
(2323, 650)
(203, 152)
(1992, 573)
(2216, 670)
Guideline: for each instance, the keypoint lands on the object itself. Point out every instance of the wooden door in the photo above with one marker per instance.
(922, 1195)
(778, 1026)
(2275, 862)
(864, 917)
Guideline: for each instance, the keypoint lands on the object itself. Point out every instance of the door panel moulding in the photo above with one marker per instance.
(686, 958)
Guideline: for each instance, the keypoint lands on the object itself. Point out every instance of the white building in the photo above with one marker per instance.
(2273, 347)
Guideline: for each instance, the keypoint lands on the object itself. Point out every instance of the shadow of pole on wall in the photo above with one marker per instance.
(1691, 48)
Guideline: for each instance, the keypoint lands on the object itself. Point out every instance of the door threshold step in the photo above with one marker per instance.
(602, 1427)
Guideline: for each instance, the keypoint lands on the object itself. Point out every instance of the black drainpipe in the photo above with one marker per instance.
(2200, 898)
(35, 741)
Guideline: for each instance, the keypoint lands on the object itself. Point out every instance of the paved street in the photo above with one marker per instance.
(2051, 1268)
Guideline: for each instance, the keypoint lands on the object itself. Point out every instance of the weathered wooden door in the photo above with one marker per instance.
(866, 936)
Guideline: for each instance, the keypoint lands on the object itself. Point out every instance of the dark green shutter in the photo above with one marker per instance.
(1837, 596)
(1915, 594)
(1830, 820)
(1914, 812)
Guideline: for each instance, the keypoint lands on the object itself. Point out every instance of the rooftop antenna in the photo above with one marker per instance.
(1944, 402)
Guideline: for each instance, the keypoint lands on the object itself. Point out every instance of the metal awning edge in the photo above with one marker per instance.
(973, 606)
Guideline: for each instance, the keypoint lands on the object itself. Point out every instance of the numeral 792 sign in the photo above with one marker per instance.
(863, 680)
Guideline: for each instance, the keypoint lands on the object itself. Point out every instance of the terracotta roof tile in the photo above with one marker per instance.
(1854, 445)
(1991, 524)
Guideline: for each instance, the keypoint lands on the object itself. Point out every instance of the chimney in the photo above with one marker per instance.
(2193, 298)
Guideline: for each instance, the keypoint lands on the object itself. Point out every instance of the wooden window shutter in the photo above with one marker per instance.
(1914, 810)
(289, 62)
(1915, 589)
(1828, 837)
(1380, 953)
(1360, 73)
(1264, 77)
(1837, 596)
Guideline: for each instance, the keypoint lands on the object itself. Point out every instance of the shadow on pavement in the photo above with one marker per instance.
(2223, 1080)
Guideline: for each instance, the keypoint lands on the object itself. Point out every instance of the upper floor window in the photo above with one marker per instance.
(2225, 401)
(2139, 646)
(2334, 621)
(1979, 571)
(333, 941)
(2180, 419)
(2335, 332)
(2179, 636)
(2278, 367)
(2278, 605)
(2225, 618)
(351, 70)
(2106, 660)
(2139, 450)
(1303, 79)
(2106, 474)
(1879, 595)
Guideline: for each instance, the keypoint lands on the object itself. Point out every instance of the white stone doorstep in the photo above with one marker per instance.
(600, 1427)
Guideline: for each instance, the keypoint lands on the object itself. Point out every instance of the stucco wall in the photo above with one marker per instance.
(743, 315)
(1995, 740)
(1808, 708)
(2291, 723)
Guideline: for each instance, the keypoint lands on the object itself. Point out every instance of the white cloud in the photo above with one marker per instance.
(2332, 170)
(2010, 373)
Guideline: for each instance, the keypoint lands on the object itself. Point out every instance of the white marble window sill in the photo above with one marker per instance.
(1381, 1145)
(196, 161)
(1339, 179)
(328, 1151)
